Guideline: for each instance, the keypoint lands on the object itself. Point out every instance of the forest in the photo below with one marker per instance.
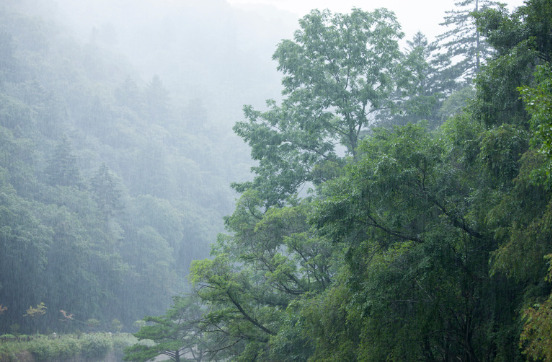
(110, 184)
(392, 202)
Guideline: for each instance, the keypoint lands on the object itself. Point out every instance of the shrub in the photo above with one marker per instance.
(43, 349)
(96, 345)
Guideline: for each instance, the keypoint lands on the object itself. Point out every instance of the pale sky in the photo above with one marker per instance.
(413, 15)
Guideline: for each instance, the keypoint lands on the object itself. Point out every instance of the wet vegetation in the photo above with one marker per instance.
(398, 205)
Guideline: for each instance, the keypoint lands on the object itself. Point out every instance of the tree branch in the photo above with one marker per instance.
(247, 316)
(458, 223)
(394, 233)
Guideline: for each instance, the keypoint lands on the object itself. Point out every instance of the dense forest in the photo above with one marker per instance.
(112, 179)
(398, 207)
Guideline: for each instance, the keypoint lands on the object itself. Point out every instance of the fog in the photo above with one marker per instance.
(217, 50)
(412, 15)
(205, 49)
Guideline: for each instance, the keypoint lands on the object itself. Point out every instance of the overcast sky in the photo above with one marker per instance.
(413, 15)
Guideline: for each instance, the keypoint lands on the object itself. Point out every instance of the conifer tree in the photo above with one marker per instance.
(106, 191)
(62, 169)
(462, 42)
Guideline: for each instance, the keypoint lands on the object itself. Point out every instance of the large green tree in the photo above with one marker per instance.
(522, 41)
(419, 247)
(338, 74)
(421, 85)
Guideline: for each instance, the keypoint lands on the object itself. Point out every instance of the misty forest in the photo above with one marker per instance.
(196, 181)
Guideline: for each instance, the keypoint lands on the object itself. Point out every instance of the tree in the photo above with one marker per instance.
(174, 334)
(464, 42)
(417, 264)
(421, 88)
(536, 337)
(338, 73)
(522, 41)
(538, 101)
(24, 242)
(34, 312)
(426, 245)
(266, 265)
(106, 192)
(62, 169)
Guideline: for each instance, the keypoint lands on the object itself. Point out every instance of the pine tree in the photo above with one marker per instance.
(62, 169)
(463, 42)
(106, 191)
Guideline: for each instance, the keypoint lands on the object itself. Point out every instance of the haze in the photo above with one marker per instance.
(414, 16)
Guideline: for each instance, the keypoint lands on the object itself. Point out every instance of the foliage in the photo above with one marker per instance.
(422, 86)
(403, 211)
(257, 274)
(424, 245)
(103, 192)
(522, 42)
(37, 311)
(96, 345)
(538, 102)
(535, 339)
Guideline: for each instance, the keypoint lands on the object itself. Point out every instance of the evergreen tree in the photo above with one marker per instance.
(106, 192)
(62, 168)
(421, 88)
(463, 43)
